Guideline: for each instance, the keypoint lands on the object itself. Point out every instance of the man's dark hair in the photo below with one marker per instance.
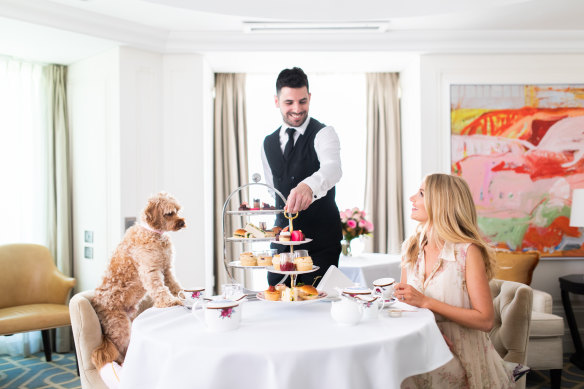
(291, 78)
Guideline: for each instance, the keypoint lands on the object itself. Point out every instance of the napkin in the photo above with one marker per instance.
(333, 278)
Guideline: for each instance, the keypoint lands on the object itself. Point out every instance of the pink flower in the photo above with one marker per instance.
(369, 227)
(363, 223)
(351, 223)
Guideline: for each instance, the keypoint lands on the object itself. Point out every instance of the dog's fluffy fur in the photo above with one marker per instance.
(141, 265)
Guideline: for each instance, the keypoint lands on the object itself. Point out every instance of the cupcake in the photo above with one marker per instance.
(248, 259)
(303, 263)
(284, 236)
(276, 262)
(264, 260)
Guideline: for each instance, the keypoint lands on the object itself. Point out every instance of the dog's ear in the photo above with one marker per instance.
(149, 212)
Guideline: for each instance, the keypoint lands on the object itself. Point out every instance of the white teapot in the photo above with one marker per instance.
(346, 311)
(219, 315)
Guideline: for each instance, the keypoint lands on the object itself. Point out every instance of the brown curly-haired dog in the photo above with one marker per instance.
(140, 265)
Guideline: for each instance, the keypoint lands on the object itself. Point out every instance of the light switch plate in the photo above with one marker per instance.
(88, 236)
(88, 254)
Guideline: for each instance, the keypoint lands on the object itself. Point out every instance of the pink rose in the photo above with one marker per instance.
(363, 224)
(351, 223)
(369, 227)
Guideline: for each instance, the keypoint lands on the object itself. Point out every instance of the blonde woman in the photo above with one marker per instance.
(446, 267)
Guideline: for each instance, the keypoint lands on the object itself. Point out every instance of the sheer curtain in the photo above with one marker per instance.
(230, 167)
(22, 170)
(383, 187)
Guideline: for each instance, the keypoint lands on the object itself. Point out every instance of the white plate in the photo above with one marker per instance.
(292, 243)
(272, 270)
(238, 264)
(321, 295)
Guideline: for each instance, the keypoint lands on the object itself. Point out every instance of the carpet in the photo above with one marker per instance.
(35, 373)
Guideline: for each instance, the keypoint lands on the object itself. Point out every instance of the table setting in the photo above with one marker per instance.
(354, 339)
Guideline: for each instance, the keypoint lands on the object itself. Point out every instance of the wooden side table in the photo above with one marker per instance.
(573, 283)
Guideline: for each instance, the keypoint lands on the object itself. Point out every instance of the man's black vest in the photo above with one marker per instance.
(321, 221)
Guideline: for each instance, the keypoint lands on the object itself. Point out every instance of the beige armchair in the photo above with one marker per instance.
(544, 348)
(87, 335)
(513, 303)
(33, 292)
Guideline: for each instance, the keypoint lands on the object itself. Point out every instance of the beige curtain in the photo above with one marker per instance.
(230, 170)
(59, 181)
(383, 184)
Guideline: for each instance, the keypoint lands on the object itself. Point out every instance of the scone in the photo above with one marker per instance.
(272, 294)
(276, 262)
(303, 263)
(248, 259)
(264, 260)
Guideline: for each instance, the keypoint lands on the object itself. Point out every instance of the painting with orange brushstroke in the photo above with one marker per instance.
(521, 150)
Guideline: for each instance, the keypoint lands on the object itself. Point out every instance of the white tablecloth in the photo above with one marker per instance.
(366, 268)
(282, 347)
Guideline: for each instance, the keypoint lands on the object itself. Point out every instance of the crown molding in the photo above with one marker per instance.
(443, 41)
(61, 17)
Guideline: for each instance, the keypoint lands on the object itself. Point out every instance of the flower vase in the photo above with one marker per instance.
(346, 247)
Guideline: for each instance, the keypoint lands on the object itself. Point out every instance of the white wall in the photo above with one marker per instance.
(438, 72)
(93, 92)
(140, 123)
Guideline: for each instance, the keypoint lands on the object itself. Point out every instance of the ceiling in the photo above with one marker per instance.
(65, 31)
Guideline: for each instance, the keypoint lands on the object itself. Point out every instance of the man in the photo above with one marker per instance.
(301, 159)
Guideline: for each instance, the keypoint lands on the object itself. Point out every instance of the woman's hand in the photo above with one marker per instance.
(408, 294)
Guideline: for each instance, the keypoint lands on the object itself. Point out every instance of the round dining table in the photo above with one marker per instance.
(281, 346)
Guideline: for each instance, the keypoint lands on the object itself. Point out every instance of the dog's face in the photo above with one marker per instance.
(161, 213)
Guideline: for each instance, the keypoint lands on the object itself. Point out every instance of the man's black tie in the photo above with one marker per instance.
(290, 145)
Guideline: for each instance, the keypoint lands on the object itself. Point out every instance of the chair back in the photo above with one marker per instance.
(512, 302)
(29, 276)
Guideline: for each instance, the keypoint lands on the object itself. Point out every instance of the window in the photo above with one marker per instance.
(337, 99)
(22, 153)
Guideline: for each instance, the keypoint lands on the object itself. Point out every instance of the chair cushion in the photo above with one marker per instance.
(516, 266)
(546, 325)
(33, 317)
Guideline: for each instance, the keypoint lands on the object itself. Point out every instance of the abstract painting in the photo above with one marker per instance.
(521, 150)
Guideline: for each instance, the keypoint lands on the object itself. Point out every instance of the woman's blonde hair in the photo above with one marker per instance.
(452, 217)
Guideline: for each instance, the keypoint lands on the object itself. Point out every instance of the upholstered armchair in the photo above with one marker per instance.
(87, 335)
(513, 303)
(33, 292)
(544, 349)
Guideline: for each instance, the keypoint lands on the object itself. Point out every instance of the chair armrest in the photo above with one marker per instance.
(542, 301)
(59, 287)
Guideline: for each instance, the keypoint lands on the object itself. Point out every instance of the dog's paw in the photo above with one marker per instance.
(168, 302)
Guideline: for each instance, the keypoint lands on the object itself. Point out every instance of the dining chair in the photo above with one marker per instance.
(545, 344)
(87, 335)
(512, 302)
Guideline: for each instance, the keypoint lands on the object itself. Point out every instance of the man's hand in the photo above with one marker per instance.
(299, 199)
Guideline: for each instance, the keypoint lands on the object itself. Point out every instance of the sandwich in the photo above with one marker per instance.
(239, 233)
(255, 231)
(307, 292)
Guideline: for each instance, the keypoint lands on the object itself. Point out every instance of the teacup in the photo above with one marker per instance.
(190, 296)
(300, 253)
(220, 315)
(384, 287)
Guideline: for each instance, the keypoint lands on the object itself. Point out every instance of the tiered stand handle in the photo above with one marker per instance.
(256, 178)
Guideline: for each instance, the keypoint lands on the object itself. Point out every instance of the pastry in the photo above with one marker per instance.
(255, 231)
(276, 230)
(276, 262)
(296, 236)
(264, 260)
(267, 206)
(284, 236)
(272, 294)
(244, 207)
(303, 263)
(307, 292)
(239, 233)
(281, 287)
(248, 259)
(256, 203)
